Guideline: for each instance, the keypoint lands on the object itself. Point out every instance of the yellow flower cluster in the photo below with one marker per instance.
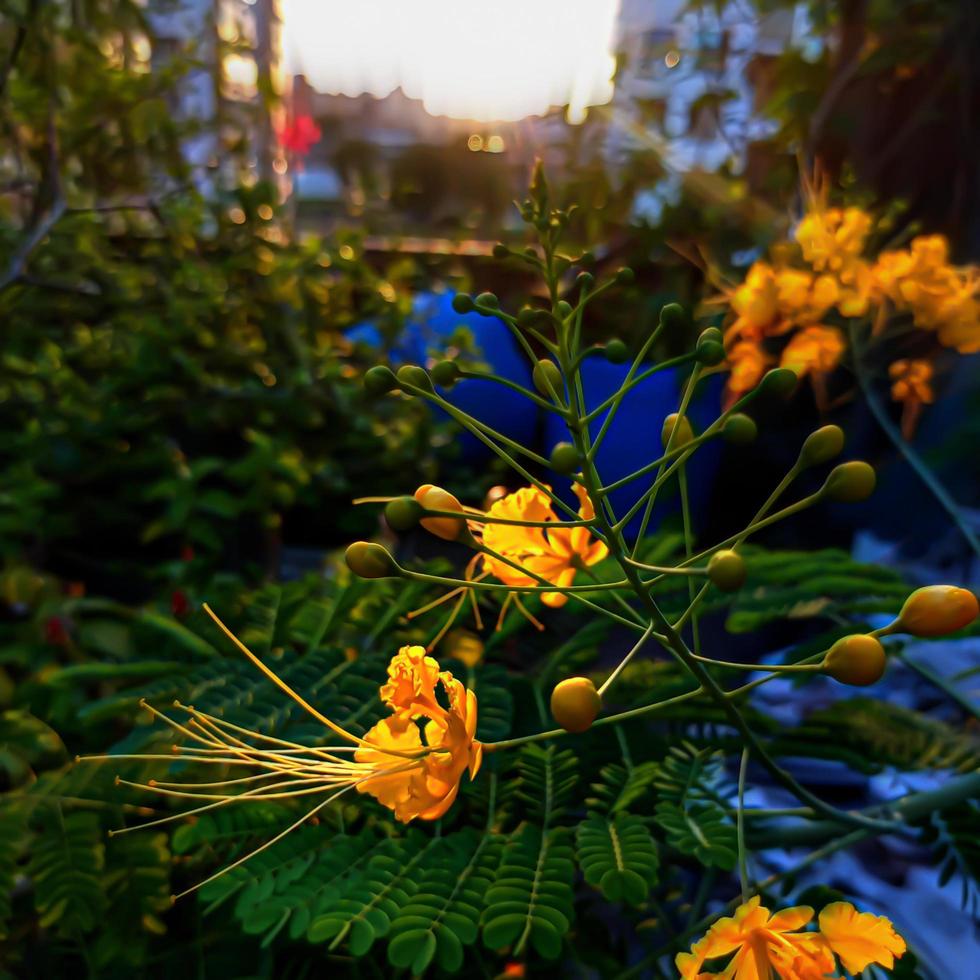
(832, 274)
(760, 944)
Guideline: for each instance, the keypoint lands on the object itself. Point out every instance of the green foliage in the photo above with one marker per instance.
(617, 856)
(956, 850)
(530, 902)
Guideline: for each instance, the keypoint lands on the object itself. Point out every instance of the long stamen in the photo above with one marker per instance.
(527, 615)
(301, 701)
(444, 629)
(435, 603)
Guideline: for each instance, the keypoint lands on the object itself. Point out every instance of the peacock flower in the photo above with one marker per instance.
(756, 303)
(748, 362)
(444, 744)
(411, 761)
(814, 350)
(912, 387)
(551, 553)
(832, 239)
(911, 381)
(759, 944)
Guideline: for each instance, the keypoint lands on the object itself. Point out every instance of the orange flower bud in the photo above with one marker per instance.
(575, 703)
(937, 610)
(858, 660)
(435, 498)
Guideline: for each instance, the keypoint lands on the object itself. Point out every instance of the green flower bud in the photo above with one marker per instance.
(779, 382)
(709, 352)
(850, 482)
(500, 251)
(584, 280)
(726, 569)
(531, 252)
(625, 276)
(379, 380)
(711, 333)
(564, 309)
(545, 372)
(528, 316)
(368, 560)
(616, 351)
(565, 458)
(586, 258)
(488, 300)
(672, 316)
(684, 432)
(445, 373)
(823, 444)
(463, 303)
(739, 429)
(403, 513)
(858, 660)
(412, 374)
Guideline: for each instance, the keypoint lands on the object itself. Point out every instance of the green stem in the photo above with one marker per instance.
(743, 859)
(930, 675)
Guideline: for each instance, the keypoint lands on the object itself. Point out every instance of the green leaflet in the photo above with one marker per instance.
(444, 914)
(364, 911)
(547, 777)
(618, 856)
(619, 788)
(531, 901)
(66, 866)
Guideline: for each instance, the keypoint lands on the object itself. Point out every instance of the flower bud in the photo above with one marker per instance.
(726, 569)
(412, 374)
(368, 560)
(712, 334)
(529, 316)
(850, 482)
(778, 382)
(625, 276)
(937, 610)
(858, 660)
(445, 373)
(565, 458)
(564, 309)
(672, 316)
(586, 258)
(435, 498)
(616, 351)
(500, 251)
(463, 303)
(709, 352)
(739, 429)
(575, 703)
(403, 513)
(584, 280)
(462, 645)
(488, 300)
(546, 373)
(823, 444)
(379, 380)
(684, 432)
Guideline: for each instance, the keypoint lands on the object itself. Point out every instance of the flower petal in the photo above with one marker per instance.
(860, 938)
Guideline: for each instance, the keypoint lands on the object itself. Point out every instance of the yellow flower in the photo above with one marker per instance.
(411, 761)
(920, 280)
(761, 945)
(445, 743)
(815, 349)
(756, 303)
(749, 363)
(552, 553)
(911, 381)
(773, 300)
(832, 240)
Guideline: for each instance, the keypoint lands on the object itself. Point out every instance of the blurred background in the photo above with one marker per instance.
(216, 215)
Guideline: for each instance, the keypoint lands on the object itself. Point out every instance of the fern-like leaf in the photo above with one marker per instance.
(530, 901)
(444, 915)
(618, 856)
(547, 778)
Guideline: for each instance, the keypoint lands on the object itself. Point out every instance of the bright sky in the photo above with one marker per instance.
(487, 60)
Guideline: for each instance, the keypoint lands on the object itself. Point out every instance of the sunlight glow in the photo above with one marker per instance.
(467, 59)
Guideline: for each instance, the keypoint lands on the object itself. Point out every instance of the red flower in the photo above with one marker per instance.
(299, 135)
(179, 604)
(55, 631)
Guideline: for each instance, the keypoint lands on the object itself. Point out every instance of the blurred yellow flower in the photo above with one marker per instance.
(443, 747)
(815, 349)
(748, 362)
(762, 944)
(832, 240)
(911, 381)
(553, 553)
(920, 280)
